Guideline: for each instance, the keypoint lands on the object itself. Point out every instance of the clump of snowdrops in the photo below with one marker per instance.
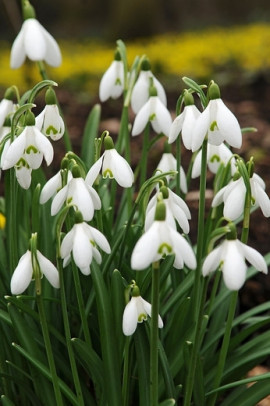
(105, 298)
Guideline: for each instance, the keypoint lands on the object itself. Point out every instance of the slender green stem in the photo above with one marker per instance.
(143, 162)
(125, 383)
(232, 308)
(154, 336)
(178, 165)
(225, 346)
(81, 304)
(45, 332)
(197, 293)
(11, 215)
(68, 336)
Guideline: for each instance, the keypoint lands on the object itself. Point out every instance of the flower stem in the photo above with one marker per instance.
(197, 292)
(154, 336)
(45, 332)
(143, 164)
(125, 392)
(68, 336)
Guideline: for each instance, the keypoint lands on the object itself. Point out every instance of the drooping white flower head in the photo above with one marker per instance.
(185, 122)
(231, 255)
(176, 210)
(31, 146)
(23, 273)
(82, 240)
(216, 154)
(217, 122)
(140, 92)
(112, 165)
(49, 121)
(168, 163)
(76, 192)
(7, 106)
(112, 82)
(155, 112)
(161, 240)
(233, 196)
(136, 311)
(34, 42)
(52, 186)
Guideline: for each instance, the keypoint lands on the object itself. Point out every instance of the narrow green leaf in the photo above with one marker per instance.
(45, 372)
(168, 402)
(143, 360)
(89, 135)
(6, 401)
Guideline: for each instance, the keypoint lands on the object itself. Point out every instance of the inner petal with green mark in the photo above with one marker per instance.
(215, 158)
(118, 82)
(213, 126)
(107, 173)
(22, 163)
(165, 249)
(31, 149)
(142, 317)
(152, 117)
(51, 130)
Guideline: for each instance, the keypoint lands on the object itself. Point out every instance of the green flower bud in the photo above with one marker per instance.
(165, 192)
(135, 291)
(232, 234)
(108, 142)
(78, 217)
(76, 173)
(28, 11)
(152, 91)
(50, 97)
(145, 65)
(30, 118)
(10, 93)
(160, 213)
(213, 91)
(117, 55)
(188, 98)
(64, 163)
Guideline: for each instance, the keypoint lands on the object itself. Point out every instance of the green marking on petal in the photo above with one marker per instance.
(51, 130)
(142, 317)
(118, 82)
(30, 149)
(22, 163)
(213, 126)
(165, 249)
(152, 117)
(107, 173)
(215, 158)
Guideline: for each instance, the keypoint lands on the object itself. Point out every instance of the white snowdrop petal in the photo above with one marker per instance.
(181, 218)
(53, 55)
(18, 55)
(200, 129)
(228, 125)
(67, 244)
(15, 151)
(130, 318)
(50, 188)
(191, 115)
(93, 172)
(23, 175)
(34, 41)
(121, 170)
(100, 240)
(59, 200)
(82, 248)
(163, 118)
(234, 202)
(196, 168)
(254, 258)
(234, 267)
(22, 275)
(212, 261)
(262, 200)
(175, 128)
(141, 119)
(44, 146)
(79, 195)
(49, 270)
(180, 245)
(146, 248)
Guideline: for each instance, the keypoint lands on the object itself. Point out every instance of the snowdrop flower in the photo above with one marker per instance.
(34, 42)
(23, 273)
(112, 165)
(168, 163)
(7, 107)
(136, 311)
(140, 92)
(233, 196)
(155, 112)
(49, 121)
(31, 145)
(217, 122)
(176, 210)
(53, 185)
(185, 122)
(82, 240)
(230, 255)
(216, 154)
(159, 241)
(76, 192)
(112, 82)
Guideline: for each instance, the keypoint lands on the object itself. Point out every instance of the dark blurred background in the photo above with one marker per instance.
(109, 20)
